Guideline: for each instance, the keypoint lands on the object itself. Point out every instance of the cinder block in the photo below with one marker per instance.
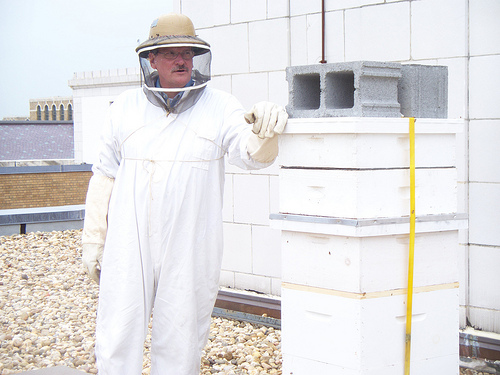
(355, 264)
(423, 91)
(368, 334)
(352, 89)
(366, 193)
(367, 89)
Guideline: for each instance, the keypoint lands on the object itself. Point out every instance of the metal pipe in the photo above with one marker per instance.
(323, 60)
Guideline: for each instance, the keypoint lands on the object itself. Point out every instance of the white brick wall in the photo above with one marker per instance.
(437, 29)
(92, 94)
(253, 41)
(263, 37)
(380, 33)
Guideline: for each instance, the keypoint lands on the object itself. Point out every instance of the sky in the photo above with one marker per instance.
(44, 42)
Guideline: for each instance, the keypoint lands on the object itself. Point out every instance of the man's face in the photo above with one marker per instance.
(174, 66)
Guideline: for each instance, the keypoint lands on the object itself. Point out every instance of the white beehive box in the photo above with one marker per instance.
(368, 264)
(344, 216)
(368, 143)
(366, 334)
(366, 193)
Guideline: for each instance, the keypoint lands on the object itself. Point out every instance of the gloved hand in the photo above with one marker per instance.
(92, 259)
(268, 120)
(95, 225)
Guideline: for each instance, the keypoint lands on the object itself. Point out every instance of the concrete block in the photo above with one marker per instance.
(352, 89)
(251, 199)
(377, 33)
(484, 277)
(334, 28)
(484, 319)
(484, 221)
(368, 89)
(249, 281)
(277, 8)
(484, 150)
(298, 7)
(276, 286)
(237, 248)
(223, 58)
(247, 11)
(484, 79)
(374, 193)
(212, 13)
(226, 279)
(298, 41)
(228, 206)
(423, 91)
(344, 4)
(278, 90)
(250, 88)
(437, 29)
(484, 27)
(313, 30)
(457, 86)
(221, 82)
(367, 335)
(266, 251)
(351, 264)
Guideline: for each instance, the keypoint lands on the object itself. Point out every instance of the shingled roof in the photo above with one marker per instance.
(36, 140)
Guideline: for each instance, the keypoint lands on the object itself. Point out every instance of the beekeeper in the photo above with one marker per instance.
(153, 224)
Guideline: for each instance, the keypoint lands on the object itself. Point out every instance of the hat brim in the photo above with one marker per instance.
(199, 45)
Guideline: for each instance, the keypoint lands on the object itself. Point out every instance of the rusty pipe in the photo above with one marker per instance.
(323, 60)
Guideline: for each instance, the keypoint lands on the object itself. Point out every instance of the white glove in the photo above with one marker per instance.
(95, 225)
(92, 259)
(268, 120)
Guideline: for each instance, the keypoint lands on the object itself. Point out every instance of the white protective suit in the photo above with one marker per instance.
(164, 240)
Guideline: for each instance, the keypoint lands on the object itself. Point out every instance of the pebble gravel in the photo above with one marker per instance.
(48, 310)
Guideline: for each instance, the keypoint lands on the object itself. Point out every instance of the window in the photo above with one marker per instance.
(61, 112)
(70, 112)
(46, 113)
(54, 112)
(38, 113)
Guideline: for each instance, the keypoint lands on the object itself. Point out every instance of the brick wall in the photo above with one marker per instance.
(27, 190)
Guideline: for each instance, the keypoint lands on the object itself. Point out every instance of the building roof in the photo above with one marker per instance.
(35, 140)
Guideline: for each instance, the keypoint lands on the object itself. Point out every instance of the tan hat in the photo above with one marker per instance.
(172, 29)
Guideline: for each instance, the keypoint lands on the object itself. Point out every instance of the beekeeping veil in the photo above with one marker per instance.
(175, 30)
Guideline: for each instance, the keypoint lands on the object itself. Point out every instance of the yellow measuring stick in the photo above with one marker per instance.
(409, 300)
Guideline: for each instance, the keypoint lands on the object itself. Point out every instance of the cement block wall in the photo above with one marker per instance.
(463, 36)
(253, 43)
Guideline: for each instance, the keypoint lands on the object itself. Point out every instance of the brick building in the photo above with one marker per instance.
(51, 109)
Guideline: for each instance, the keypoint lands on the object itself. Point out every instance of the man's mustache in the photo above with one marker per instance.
(179, 68)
